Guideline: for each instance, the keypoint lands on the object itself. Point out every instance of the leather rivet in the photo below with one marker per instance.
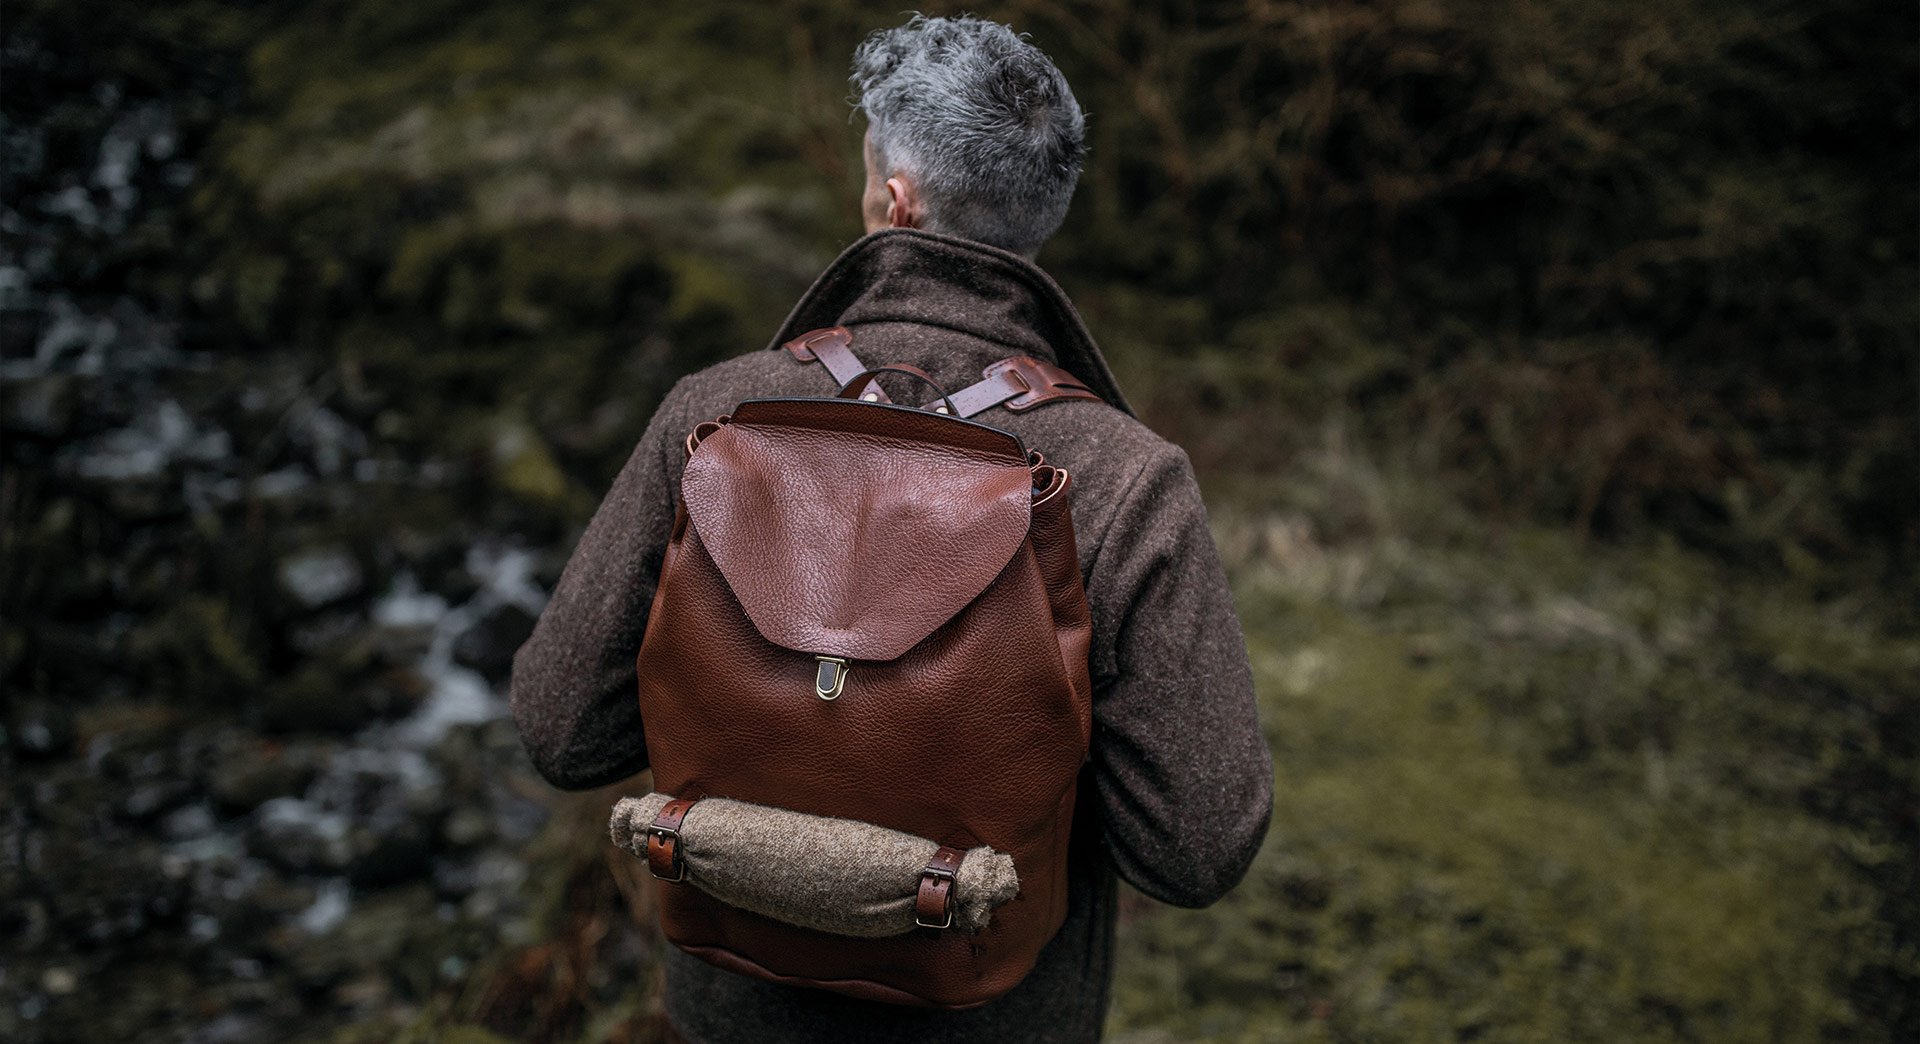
(871, 397)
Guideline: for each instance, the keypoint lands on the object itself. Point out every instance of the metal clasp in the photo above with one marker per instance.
(946, 875)
(830, 677)
(668, 835)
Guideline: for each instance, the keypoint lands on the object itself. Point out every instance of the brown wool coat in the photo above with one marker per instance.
(1178, 791)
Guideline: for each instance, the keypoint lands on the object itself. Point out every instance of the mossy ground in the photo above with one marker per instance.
(1527, 792)
(1549, 367)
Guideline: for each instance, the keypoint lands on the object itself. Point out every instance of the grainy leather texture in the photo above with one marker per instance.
(939, 560)
(814, 528)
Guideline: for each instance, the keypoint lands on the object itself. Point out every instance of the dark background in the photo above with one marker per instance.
(1550, 368)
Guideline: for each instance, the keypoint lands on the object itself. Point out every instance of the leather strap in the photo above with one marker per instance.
(1019, 383)
(933, 904)
(832, 348)
(664, 858)
(865, 381)
(702, 430)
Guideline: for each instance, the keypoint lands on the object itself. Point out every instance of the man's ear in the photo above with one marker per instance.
(903, 204)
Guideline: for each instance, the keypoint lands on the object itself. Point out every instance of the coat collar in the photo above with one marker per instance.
(907, 275)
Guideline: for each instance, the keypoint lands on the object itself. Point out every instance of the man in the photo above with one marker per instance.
(973, 148)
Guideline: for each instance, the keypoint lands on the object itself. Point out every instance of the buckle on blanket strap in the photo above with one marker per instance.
(933, 904)
(664, 858)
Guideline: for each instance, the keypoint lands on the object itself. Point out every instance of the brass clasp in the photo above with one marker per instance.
(830, 678)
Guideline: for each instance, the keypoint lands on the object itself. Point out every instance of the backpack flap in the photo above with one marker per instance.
(853, 529)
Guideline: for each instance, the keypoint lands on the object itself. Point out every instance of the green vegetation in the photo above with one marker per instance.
(1542, 790)
(1551, 366)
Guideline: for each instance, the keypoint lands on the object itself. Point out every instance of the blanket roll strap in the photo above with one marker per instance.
(832, 875)
(663, 841)
(933, 900)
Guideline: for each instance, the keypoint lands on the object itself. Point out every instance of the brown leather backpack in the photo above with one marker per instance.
(874, 612)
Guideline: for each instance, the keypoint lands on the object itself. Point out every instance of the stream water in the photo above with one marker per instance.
(257, 763)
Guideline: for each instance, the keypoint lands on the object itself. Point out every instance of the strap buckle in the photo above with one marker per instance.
(1039, 382)
(663, 841)
(670, 838)
(936, 883)
(948, 923)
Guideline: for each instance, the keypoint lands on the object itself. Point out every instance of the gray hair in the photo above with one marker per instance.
(984, 124)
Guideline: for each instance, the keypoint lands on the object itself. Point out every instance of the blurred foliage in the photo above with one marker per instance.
(1615, 264)
(1553, 364)
(1620, 261)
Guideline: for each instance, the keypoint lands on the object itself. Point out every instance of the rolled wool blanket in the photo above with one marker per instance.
(833, 875)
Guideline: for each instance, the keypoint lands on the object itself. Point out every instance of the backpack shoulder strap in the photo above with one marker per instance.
(1019, 383)
(833, 348)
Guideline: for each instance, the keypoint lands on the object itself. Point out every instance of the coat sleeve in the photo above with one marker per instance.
(573, 692)
(1182, 771)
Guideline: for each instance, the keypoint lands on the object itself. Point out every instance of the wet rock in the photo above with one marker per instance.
(280, 484)
(298, 835)
(467, 827)
(374, 815)
(70, 802)
(455, 878)
(40, 729)
(408, 615)
(148, 801)
(489, 645)
(331, 902)
(340, 634)
(328, 438)
(188, 823)
(231, 895)
(320, 699)
(395, 850)
(494, 887)
(43, 407)
(233, 1028)
(438, 559)
(146, 771)
(367, 992)
(404, 804)
(109, 892)
(395, 693)
(371, 935)
(162, 436)
(250, 771)
(59, 981)
(142, 501)
(318, 577)
(518, 818)
(28, 923)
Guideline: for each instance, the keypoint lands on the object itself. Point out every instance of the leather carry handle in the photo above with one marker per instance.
(701, 431)
(1018, 383)
(857, 386)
